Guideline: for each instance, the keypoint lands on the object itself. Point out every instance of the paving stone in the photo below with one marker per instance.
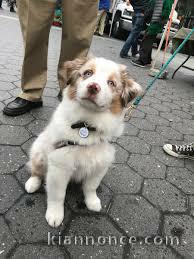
(52, 84)
(13, 135)
(10, 191)
(17, 83)
(189, 164)
(183, 128)
(153, 100)
(15, 92)
(37, 126)
(191, 201)
(99, 229)
(50, 101)
(9, 100)
(130, 130)
(147, 166)
(188, 138)
(4, 95)
(169, 133)
(50, 92)
(138, 114)
(161, 156)
(135, 215)
(1, 106)
(33, 227)
(181, 226)
(23, 175)
(142, 124)
(39, 251)
(164, 196)
(134, 144)
(152, 138)
(171, 117)
(27, 145)
(18, 121)
(122, 179)
(44, 113)
(75, 198)
(151, 251)
(121, 155)
(171, 105)
(157, 120)
(11, 159)
(7, 242)
(182, 178)
(6, 86)
(182, 114)
(7, 78)
(148, 110)
(161, 107)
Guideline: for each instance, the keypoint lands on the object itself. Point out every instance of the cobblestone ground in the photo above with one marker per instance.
(145, 193)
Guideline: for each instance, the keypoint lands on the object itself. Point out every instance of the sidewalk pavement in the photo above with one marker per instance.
(145, 193)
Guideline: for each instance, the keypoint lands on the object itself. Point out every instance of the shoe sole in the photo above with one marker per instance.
(17, 113)
(172, 153)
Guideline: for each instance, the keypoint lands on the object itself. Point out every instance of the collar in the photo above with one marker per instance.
(64, 143)
(82, 124)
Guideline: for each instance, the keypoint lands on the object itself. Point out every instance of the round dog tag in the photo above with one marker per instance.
(83, 132)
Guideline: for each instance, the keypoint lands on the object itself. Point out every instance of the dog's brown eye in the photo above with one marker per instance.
(111, 83)
(87, 73)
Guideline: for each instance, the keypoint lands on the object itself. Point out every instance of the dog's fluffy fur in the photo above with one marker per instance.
(97, 92)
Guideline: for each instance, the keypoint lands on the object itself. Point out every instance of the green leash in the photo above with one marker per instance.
(139, 98)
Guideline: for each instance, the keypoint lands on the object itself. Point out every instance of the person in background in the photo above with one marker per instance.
(36, 17)
(11, 4)
(180, 151)
(139, 7)
(1, 4)
(161, 12)
(104, 6)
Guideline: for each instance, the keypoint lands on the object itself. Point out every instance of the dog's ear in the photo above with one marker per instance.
(130, 89)
(71, 69)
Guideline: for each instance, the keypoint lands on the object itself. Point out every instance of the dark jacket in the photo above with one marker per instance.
(139, 5)
(156, 27)
(104, 5)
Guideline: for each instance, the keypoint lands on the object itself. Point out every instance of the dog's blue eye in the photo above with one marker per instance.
(88, 73)
(111, 83)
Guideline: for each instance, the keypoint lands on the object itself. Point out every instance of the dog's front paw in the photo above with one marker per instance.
(93, 204)
(54, 215)
(33, 184)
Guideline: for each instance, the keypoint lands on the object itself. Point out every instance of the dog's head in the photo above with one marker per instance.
(100, 84)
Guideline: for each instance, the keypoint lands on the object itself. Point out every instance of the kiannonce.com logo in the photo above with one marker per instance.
(84, 240)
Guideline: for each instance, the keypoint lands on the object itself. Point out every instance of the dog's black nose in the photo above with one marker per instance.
(93, 88)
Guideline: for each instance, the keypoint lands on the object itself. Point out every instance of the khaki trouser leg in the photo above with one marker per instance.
(100, 12)
(79, 20)
(35, 18)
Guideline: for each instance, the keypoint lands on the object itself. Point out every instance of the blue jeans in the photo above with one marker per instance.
(131, 42)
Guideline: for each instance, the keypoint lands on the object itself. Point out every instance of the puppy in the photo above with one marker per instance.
(75, 144)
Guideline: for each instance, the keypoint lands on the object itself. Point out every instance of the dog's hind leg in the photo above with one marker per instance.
(37, 164)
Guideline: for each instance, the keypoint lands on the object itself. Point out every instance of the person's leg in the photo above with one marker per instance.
(35, 19)
(134, 48)
(1, 3)
(79, 20)
(100, 12)
(146, 49)
(102, 23)
(133, 36)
